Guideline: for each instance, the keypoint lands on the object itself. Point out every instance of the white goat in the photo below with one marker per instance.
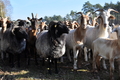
(93, 33)
(108, 49)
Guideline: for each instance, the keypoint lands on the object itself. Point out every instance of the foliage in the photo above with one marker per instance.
(5, 8)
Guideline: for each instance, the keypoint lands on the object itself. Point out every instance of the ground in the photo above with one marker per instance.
(66, 72)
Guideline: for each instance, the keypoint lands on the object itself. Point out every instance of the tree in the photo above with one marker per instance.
(5, 8)
(67, 17)
(87, 7)
(111, 5)
(2, 9)
(97, 6)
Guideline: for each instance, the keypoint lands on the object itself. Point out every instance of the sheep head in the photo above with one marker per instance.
(56, 29)
(19, 32)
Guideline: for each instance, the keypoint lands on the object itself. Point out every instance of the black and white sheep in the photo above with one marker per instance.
(51, 44)
(13, 42)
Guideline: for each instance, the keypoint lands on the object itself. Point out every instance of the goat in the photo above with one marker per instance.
(101, 30)
(13, 42)
(51, 43)
(108, 49)
(32, 36)
(74, 39)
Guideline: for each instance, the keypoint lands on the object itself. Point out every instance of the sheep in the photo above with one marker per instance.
(101, 30)
(74, 39)
(51, 43)
(108, 49)
(32, 36)
(13, 42)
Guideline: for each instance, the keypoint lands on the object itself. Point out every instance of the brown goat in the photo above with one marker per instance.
(32, 34)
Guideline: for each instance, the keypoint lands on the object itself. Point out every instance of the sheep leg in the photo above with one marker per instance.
(3, 55)
(49, 68)
(75, 58)
(43, 61)
(56, 68)
(11, 60)
(111, 68)
(18, 58)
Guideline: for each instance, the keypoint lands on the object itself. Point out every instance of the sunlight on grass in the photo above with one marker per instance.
(20, 72)
(14, 72)
(82, 70)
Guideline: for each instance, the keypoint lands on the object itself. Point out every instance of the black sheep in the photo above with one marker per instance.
(51, 43)
(14, 42)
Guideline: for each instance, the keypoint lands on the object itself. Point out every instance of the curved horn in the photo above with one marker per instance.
(109, 10)
(88, 13)
(80, 13)
(101, 10)
(32, 15)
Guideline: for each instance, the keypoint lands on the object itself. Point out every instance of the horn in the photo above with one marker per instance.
(32, 15)
(88, 13)
(101, 10)
(79, 13)
(36, 16)
(109, 10)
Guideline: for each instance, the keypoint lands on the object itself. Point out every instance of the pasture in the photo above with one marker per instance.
(66, 72)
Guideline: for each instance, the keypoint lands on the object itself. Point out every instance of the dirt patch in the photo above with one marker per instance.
(66, 72)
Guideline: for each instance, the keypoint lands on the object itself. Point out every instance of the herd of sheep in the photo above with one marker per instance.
(57, 38)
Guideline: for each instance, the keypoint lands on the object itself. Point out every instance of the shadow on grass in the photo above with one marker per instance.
(39, 72)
